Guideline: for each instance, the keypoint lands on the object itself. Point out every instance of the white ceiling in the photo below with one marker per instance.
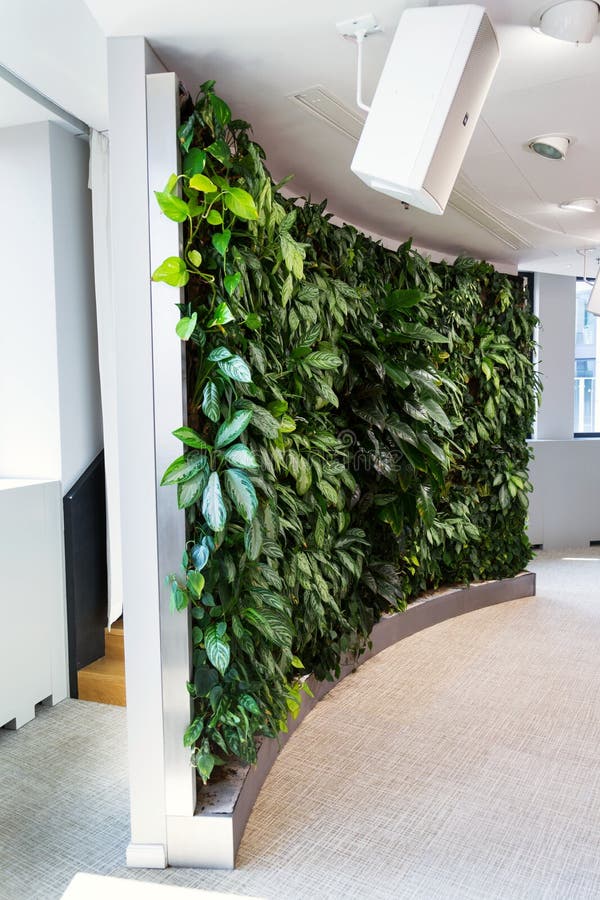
(261, 52)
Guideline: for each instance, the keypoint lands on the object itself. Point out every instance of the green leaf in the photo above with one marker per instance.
(297, 663)
(253, 321)
(205, 680)
(205, 763)
(250, 704)
(193, 732)
(194, 162)
(172, 271)
(195, 582)
(397, 375)
(253, 539)
(185, 133)
(195, 258)
(231, 282)
(220, 150)
(220, 109)
(304, 480)
(200, 555)
(217, 649)
(219, 353)
(322, 359)
(210, 401)
(213, 507)
(232, 428)
(203, 184)
(185, 326)
(183, 468)
(241, 456)
(191, 438)
(214, 217)
(242, 492)
(404, 299)
(293, 255)
(220, 241)
(171, 184)
(221, 316)
(240, 203)
(173, 207)
(272, 624)
(236, 368)
(189, 492)
(436, 413)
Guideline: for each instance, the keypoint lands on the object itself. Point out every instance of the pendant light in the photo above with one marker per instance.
(571, 20)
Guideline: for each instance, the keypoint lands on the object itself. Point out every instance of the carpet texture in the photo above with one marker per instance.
(462, 763)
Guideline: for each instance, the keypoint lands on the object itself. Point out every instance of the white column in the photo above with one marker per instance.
(555, 304)
(143, 117)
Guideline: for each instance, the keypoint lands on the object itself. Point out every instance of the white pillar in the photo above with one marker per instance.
(555, 306)
(149, 407)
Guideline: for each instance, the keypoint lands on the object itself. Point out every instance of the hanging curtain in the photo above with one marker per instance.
(99, 185)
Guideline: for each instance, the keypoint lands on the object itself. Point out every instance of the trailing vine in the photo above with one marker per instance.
(356, 432)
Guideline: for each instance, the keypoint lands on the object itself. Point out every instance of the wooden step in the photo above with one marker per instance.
(113, 640)
(103, 681)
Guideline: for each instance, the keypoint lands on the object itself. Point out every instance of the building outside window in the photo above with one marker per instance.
(587, 394)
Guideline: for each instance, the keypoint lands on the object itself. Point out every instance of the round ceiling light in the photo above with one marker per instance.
(571, 20)
(550, 146)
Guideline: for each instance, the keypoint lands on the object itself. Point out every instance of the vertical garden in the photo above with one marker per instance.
(356, 432)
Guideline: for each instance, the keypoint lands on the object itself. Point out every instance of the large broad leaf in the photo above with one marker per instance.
(404, 299)
(304, 479)
(232, 428)
(231, 282)
(436, 413)
(293, 255)
(189, 492)
(236, 369)
(213, 507)
(193, 732)
(220, 150)
(185, 327)
(397, 375)
(425, 505)
(240, 203)
(191, 438)
(221, 316)
(242, 492)
(183, 468)
(194, 162)
(172, 271)
(195, 582)
(253, 539)
(220, 241)
(217, 648)
(272, 624)
(205, 679)
(241, 456)
(210, 401)
(173, 207)
(322, 359)
(220, 109)
(200, 554)
(203, 184)
(219, 353)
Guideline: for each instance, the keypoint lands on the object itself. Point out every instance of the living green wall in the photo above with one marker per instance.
(356, 434)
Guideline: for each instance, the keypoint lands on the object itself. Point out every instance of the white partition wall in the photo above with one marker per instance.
(150, 405)
(565, 471)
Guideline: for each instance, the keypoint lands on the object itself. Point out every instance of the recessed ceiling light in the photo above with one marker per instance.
(570, 20)
(550, 146)
(582, 204)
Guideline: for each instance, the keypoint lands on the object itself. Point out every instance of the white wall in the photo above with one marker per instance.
(49, 384)
(59, 49)
(565, 472)
(77, 341)
(29, 410)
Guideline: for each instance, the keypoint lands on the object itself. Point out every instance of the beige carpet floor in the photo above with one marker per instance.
(462, 763)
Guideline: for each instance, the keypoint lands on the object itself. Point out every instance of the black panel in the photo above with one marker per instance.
(86, 568)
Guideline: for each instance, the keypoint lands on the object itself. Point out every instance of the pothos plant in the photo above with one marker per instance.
(333, 464)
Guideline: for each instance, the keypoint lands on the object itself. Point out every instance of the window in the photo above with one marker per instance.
(587, 395)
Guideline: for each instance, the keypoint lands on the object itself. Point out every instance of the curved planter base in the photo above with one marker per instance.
(211, 837)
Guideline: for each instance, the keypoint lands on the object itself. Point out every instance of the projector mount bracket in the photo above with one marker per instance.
(359, 28)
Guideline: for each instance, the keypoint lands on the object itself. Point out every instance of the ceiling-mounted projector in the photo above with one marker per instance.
(436, 77)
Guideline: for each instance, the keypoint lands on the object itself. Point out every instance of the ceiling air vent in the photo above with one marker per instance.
(325, 106)
(463, 200)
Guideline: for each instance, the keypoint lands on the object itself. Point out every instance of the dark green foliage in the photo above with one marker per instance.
(356, 433)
